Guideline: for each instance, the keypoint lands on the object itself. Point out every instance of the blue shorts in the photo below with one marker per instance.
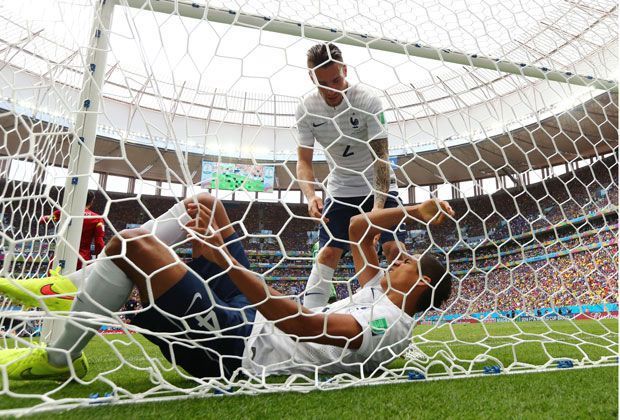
(205, 322)
(340, 212)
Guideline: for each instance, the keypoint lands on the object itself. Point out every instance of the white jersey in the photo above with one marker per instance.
(344, 132)
(386, 333)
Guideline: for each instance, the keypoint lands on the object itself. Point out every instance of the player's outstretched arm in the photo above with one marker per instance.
(290, 316)
(381, 169)
(365, 226)
(305, 179)
(431, 211)
(99, 237)
(293, 318)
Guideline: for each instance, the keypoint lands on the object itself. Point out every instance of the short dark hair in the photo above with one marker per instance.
(320, 54)
(440, 280)
(90, 198)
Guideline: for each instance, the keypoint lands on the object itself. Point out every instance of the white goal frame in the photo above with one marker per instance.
(82, 161)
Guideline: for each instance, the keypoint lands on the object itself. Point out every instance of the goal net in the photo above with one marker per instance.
(507, 112)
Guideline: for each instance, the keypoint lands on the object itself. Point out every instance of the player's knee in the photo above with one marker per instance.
(207, 199)
(135, 233)
(128, 239)
(216, 206)
(114, 246)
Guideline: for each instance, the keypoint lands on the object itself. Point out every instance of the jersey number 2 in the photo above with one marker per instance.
(346, 152)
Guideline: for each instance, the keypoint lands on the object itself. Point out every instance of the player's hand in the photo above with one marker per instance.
(207, 240)
(201, 215)
(209, 244)
(315, 207)
(434, 211)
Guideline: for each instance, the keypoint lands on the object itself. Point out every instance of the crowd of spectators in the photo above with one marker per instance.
(492, 256)
(583, 278)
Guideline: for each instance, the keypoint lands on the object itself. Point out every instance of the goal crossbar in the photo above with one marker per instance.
(414, 49)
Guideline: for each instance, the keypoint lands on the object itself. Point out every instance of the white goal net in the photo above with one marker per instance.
(508, 112)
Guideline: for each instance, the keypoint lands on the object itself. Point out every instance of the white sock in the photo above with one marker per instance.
(169, 227)
(78, 277)
(106, 290)
(318, 286)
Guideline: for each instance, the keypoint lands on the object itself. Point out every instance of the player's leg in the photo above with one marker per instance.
(176, 293)
(152, 267)
(181, 303)
(104, 292)
(169, 227)
(392, 242)
(140, 242)
(331, 243)
(57, 291)
(109, 285)
(172, 293)
(217, 210)
(220, 285)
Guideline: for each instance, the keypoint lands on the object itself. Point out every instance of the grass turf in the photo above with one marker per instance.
(588, 393)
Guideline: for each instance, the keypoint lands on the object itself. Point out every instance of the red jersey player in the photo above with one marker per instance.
(92, 230)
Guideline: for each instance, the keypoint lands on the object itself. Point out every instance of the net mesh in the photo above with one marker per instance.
(529, 166)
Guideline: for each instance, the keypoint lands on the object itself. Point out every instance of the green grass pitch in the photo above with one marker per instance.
(570, 393)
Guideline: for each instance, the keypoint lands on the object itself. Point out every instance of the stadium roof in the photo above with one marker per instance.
(584, 131)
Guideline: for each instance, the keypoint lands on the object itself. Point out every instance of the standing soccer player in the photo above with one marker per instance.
(348, 122)
(93, 229)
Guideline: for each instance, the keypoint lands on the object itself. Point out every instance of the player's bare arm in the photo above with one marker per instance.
(305, 179)
(99, 238)
(382, 171)
(290, 316)
(364, 227)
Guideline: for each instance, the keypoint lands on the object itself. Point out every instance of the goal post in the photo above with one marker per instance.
(82, 153)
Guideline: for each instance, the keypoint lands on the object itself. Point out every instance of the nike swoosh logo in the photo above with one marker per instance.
(47, 290)
(196, 296)
(319, 124)
(314, 293)
(27, 374)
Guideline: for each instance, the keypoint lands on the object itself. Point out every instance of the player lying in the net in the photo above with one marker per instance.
(213, 328)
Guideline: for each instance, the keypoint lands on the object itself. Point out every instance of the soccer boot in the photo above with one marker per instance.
(56, 292)
(31, 363)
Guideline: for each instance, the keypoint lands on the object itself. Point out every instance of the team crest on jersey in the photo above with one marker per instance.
(354, 121)
(378, 326)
